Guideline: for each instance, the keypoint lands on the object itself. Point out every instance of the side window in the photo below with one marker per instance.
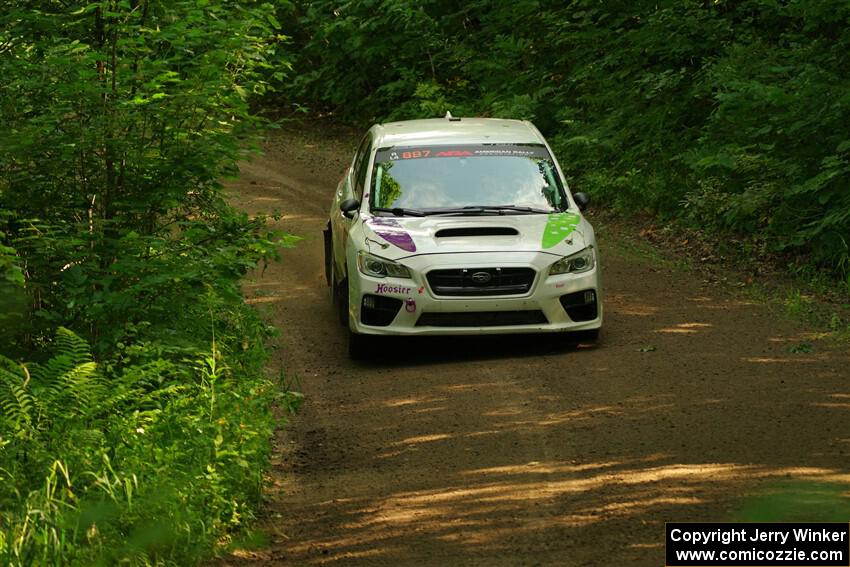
(358, 155)
(361, 164)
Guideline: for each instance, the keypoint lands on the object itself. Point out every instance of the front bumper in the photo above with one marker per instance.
(396, 306)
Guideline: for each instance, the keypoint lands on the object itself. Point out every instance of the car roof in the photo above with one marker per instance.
(437, 131)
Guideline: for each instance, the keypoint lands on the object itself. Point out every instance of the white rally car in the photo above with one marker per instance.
(458, 227)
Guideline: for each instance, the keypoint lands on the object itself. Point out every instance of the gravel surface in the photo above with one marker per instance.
(526, 451)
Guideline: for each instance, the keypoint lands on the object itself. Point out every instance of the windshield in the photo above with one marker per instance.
(491, 178)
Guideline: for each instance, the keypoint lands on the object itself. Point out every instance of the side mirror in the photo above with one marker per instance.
(348, 207)
(582, 200)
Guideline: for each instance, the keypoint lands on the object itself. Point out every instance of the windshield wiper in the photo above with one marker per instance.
(486, 210)
(400, 212)
(514, 208)
(460, 211)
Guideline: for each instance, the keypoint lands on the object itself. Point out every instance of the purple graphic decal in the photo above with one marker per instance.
(391, 231)
(410, 305)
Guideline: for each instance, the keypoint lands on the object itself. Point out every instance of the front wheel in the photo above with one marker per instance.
(340, 300)
(360, 347)
(328, 240)
(588, 336)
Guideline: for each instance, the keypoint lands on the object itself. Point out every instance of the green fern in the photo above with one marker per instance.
(44, 375)
(84, 386)
(71, 345)
(66, 386)
(16, 401)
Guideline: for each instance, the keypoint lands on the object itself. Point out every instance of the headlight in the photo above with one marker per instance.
(379, 267)
(577, 263)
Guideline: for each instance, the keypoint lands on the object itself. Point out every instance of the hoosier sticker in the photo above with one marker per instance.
(384, 289)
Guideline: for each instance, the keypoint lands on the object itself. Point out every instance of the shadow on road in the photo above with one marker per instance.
(419, 351)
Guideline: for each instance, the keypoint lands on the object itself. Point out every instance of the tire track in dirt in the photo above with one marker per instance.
(520, 450)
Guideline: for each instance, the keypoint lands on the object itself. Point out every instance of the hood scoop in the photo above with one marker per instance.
(476, 231)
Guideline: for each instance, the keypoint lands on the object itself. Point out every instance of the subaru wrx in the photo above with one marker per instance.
(458, 227)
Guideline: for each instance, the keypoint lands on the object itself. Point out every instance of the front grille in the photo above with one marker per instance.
(482, 319)
(481, 281)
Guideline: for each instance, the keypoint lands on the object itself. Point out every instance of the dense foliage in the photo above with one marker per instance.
(149, 462)
(134, 418)
(134, 415)
(732, 115)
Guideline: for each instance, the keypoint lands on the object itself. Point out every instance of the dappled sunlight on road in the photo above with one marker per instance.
(421, 439)
(833, 405)
(491, 508)
(488, 510)
(411, 401)
(780, 360)
(685, 328)
(543, 468)
(264, 299)
(429, 410)
(258, 294)
(531, 449)
(296, 217)
(257, 284)
(628, 304)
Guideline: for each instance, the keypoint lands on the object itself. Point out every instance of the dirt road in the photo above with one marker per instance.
(524, 451)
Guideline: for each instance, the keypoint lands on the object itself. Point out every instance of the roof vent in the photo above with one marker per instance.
(451, 118)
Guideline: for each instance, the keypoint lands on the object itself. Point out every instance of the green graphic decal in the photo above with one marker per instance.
(560, 226)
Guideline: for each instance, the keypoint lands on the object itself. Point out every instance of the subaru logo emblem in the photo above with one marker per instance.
(481, 277)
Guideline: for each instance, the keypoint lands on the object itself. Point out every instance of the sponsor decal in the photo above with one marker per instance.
(391, 231)
(386, 288)
(421, 290)
(505, 152)
(558, 227)
(479, 150)
(410, 305)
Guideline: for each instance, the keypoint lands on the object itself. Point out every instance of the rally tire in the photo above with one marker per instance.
(340, 296)
(360, 347)
(328, 246)
(590, 336)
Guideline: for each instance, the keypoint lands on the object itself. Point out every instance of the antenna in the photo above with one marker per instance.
(451, 118)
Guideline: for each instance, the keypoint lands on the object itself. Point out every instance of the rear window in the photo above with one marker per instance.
(437, 177)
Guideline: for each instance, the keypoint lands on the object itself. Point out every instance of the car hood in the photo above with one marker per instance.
(401, 237)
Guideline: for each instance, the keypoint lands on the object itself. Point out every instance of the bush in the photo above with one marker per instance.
(138, 429)
(727, 114)
(147, 460)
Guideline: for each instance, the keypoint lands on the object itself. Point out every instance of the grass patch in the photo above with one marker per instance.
(152, 457)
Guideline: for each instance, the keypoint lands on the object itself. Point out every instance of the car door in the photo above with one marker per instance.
(352, 187)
